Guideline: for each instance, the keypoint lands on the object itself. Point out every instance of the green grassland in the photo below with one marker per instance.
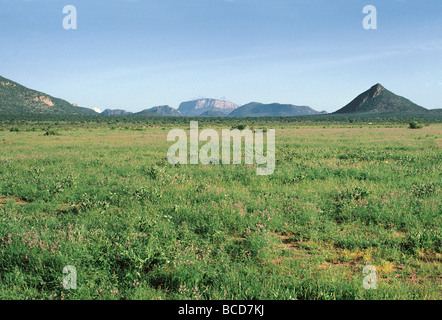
(103, 198)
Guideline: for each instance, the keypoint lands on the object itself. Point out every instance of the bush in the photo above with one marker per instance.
(240, 127)
(415, 125)
(14, 129)
(51, 133)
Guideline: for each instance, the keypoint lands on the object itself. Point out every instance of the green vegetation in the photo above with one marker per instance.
(415, 125)
(102, 197)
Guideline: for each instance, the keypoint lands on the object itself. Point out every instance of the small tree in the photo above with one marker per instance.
(415, 125)
(240, 127)
(51, 132)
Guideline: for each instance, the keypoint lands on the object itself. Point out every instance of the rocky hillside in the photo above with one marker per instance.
(16, 99)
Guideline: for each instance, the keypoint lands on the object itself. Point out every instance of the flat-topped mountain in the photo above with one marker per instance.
(16, 99)
(379, 100)
(200, 106)
(256, 109)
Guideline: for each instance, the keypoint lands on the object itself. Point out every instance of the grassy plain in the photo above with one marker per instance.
(103, 198)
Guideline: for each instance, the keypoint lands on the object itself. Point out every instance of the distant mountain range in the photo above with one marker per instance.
(116, 112)
(17, 100)
(164, 111)
(221, 108)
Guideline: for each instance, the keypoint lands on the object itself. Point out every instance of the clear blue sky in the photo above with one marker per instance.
(136, 54)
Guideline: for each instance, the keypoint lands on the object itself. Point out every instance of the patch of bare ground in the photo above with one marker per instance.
(352, 262)
(430, 256)
(294, 247)
(17, 200)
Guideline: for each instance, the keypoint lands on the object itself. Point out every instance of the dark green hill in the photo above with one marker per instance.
(255, 109)
(379, 100)
(163, 111)
(16, 99)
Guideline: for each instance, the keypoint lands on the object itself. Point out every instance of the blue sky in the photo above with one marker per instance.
(134, 55)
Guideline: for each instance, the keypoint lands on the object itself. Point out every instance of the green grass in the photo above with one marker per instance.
(103, 198)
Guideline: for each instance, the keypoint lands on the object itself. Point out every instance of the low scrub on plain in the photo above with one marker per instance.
(105, 200)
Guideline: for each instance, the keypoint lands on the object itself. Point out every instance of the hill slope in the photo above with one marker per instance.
(164, 111)
(213, 114)
(255, 109)
(198, 107)
(16, 99)
(379, 100)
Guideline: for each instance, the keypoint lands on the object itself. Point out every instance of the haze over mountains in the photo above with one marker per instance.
(116, 112)
(16, 99)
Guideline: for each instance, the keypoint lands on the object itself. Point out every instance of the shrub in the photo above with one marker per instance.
(415, 125)
(240, 127)
(51, 133)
